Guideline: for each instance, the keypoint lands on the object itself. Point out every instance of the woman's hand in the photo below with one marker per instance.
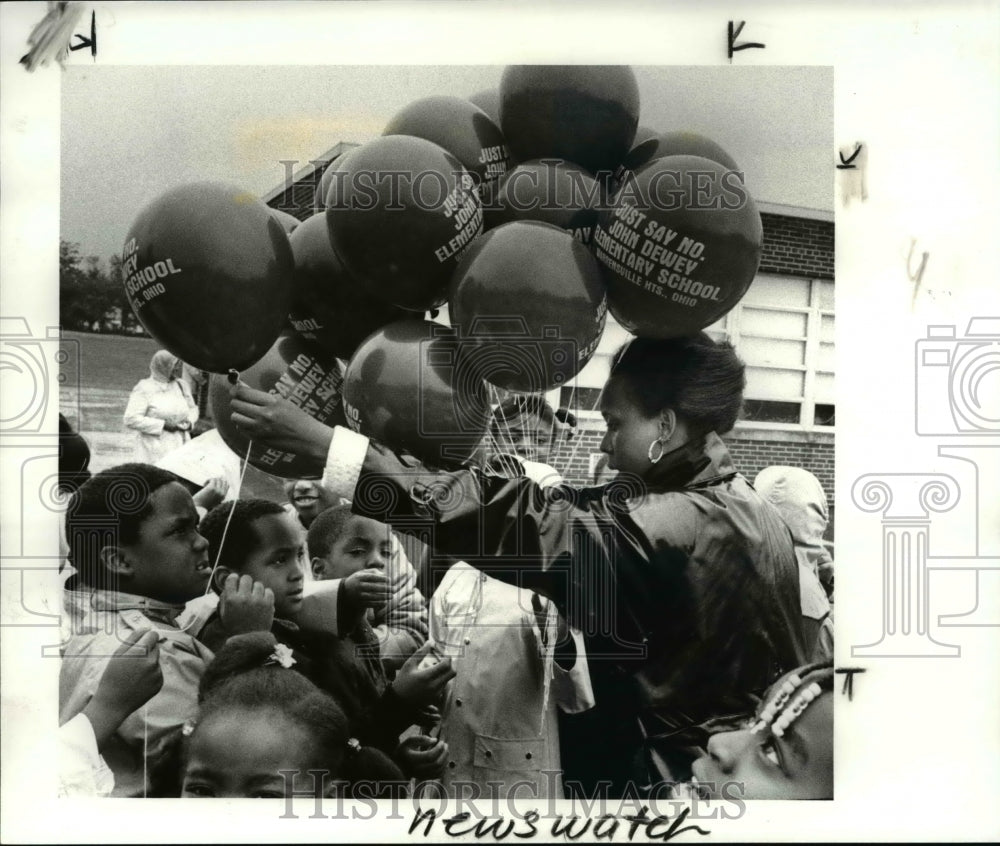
(277, 423)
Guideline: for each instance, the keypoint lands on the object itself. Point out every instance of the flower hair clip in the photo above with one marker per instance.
(282, 657)
(353, 745)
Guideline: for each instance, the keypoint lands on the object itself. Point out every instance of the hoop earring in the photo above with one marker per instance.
(649, 453)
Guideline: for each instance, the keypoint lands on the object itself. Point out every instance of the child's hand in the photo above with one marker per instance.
(418, 687)
(131, 678)
(246, 605)
(212, 494)
(422, 756)
(369, 588)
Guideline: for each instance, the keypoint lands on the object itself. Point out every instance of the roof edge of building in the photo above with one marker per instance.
(795, 211)
(337, 149)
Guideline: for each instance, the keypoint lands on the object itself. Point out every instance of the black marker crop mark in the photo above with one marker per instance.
(845, 164)
(734, 34)
(848, 673)
(88, 42)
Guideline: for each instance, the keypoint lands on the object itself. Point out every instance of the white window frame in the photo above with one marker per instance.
(730, 330)
(814, 315)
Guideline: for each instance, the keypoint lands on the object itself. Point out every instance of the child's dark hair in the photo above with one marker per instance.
(108, 509)
(245, 674)
(326, 529)
(700, 379)
(74, 458)
(241, 539)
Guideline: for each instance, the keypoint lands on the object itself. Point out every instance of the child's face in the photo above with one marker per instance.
(308, 499)
(277, 561)
(527, 436)
(363, 544)
(169, 559)
(239, 755)
(797, 765)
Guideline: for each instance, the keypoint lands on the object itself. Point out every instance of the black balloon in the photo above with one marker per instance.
(401, 211)
(551, 191)
(461, 128)
(585, 114)
(292, 370)
(329, 307)
(530, 302)
(406, 387)
(208, 271)
(680, 246)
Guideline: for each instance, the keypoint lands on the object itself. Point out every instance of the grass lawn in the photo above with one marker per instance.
(99, 373)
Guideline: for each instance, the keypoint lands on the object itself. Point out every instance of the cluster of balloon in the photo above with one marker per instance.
(208, 270)
(645, 140)
(489, 101)
(551, 191)
(530, 303)
(329, 307)
(679, 246)
(586, 115)
(405, 386)
(673, 144)
(461, 128)
(400, 211)
(289, 222)
(292, 370)
(323, 186)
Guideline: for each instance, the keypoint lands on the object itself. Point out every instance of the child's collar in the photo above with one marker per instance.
(111, 600)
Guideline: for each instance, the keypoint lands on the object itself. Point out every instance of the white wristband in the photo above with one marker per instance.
(344, 462)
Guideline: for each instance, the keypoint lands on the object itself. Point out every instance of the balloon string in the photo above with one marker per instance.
(578, 439)
(504, 427)
(225, 528)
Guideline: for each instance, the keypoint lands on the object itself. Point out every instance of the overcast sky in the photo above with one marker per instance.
(129, 133)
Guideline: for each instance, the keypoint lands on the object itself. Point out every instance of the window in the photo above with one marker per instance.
(783, 329)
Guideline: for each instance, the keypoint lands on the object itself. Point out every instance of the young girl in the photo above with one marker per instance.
(785, 752)
(259, 575)
(258, 718)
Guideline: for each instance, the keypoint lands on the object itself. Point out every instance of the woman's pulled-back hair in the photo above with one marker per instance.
(243, 676)
(700, 379)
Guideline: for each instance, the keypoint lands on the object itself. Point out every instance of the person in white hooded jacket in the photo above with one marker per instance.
(800, 499)
(160, 409)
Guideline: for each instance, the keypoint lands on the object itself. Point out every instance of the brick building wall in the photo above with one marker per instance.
(751, 450)
(797, 246)
(751, 454)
